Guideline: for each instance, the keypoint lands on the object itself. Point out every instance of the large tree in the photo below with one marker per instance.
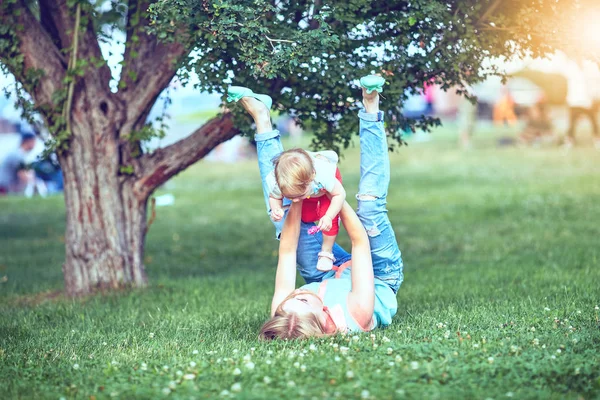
(303, 53)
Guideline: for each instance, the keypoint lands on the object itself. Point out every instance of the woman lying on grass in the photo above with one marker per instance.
(359, 294)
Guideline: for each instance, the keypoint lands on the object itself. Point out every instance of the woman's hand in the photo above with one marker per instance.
(325, 223)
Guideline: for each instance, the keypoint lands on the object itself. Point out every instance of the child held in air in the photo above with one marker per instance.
(314, 179)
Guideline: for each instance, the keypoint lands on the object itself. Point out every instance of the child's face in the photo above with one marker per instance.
(297, 198)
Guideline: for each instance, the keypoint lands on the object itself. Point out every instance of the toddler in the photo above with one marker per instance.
(314, 179)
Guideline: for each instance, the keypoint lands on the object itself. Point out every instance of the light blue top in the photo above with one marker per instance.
(334, 293)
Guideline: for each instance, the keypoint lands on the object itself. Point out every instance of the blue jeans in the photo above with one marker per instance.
(374, 182)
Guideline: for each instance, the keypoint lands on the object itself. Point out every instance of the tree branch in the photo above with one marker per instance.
(489, 11)
(39, 52)
(148, 66)
(161, 165)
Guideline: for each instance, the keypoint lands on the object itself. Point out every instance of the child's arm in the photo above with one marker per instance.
(338, 197)
(276, 207)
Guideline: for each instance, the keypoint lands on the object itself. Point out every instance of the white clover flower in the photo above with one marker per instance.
(509, 394)
(113, 362)
(172, 385)
(355, 338)
(575, 340)
(303, 368)
(546, 309)
(391, 363)
(144, 367)
(375, 345)
(165, 367)
(543, 346)
(235, 351)
(151, 335)
(236, 387)
(390, 350)
(536, 342)
(166, 391)
(195, 352)
(398, 358)
(104, 343)
(385, 339)
(414, 365)
(578, 311)
(373, 336)
(291, 384)
(447, 334)
(225, 393)
(75, 366)
(475, 345)
(192, 364)
(440, 325)
(553, 357)
(365, 394)
(349, 374)
(270, 352)
(249, 365)
(296, 364)
(252, 350)
(268, 362)
(189, 377)
(514, 348)
(335, 347)
(247, 358)
(344, 350)
(532, 329)
(558, 351)
(219, 360)
(312, 347)
(491, 360)
(237, 372)
(267, 380)
(577, 371)
(337, 359)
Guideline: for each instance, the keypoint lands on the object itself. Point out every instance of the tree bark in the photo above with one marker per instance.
(105, 219)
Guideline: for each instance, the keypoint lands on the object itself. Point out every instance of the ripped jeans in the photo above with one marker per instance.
(372, 193)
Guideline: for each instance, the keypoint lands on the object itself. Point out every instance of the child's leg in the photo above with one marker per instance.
(372, 193)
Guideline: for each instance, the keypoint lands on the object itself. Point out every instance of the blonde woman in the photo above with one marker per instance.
(359, 294)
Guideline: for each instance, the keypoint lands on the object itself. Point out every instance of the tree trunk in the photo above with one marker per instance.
(105, 217)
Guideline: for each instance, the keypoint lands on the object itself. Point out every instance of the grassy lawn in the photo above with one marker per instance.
(502, 283)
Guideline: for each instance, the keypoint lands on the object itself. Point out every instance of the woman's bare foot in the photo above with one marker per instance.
(371, 101)
(259, 112)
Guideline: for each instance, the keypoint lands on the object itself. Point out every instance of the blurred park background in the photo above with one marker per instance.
(495, 209)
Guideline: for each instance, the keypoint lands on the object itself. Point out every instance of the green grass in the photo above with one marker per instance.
(502, 276)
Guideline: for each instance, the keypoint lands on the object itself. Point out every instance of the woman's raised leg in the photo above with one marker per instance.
(372, 193)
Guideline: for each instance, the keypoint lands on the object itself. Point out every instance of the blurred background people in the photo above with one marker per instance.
(15, 175)
(580, 99)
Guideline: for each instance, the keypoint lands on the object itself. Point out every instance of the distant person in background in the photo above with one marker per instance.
(538, 127)
(504, 109)
(15, 176)
(580, 100)
(466, 118)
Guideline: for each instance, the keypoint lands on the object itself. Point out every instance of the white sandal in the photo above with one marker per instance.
(326, 260)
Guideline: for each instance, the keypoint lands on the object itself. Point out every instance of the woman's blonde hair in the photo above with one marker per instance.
(290, 325)
(294, 171)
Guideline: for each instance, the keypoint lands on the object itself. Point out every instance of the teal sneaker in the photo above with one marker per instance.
(235, 93)
(372, 82)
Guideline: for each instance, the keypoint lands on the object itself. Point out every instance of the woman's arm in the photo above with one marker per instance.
(285, 278)
(361, 300)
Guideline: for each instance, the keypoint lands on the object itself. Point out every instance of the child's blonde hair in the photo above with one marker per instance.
(289, 325)
(294, 171)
